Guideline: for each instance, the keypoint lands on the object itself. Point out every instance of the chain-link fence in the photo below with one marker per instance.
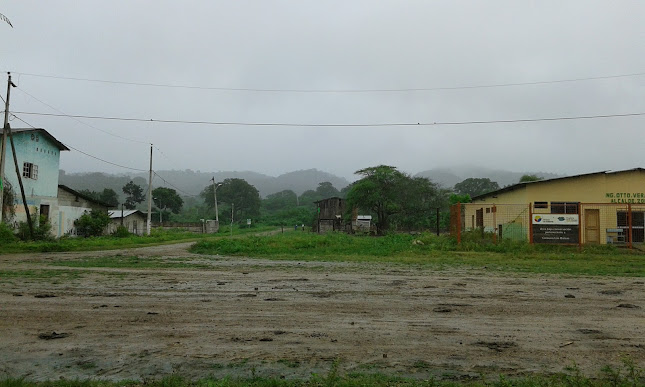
(552, 223)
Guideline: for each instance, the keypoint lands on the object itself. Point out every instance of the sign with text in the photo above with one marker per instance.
(568, 219)
(556, 228)
(625, 197)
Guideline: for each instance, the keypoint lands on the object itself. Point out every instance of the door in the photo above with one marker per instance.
(592, 226)
(44, 210)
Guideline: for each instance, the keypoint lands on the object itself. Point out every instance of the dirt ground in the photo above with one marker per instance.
(244, 317)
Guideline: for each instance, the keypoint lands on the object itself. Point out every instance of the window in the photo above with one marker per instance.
(564, 207)
(30, 170)
(638, 225)
(541, 205)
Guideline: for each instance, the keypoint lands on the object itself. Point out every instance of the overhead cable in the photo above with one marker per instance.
(85, 153)
(173, 186)
(381, 90)
(304, 125)
(81, 122)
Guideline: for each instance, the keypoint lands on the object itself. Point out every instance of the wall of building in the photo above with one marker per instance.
(135, 223)
(39, 150)
(70, 207)
(604, 195)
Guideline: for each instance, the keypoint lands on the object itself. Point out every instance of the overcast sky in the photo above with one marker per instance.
(332, 45)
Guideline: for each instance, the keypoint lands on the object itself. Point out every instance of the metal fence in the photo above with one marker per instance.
(553, 223)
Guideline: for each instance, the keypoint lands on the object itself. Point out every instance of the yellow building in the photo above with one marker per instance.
(601, 207)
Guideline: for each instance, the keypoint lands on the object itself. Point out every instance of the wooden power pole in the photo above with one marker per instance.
(150, 193)
(3, 144)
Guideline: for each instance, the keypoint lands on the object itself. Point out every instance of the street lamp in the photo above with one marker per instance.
(215, 186)
(159, 207)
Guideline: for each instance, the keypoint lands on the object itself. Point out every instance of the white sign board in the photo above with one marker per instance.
(556, 219)
(248, 221)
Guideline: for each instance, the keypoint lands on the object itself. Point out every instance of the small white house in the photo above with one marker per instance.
(69, 206)
(133, 220)
(363, 223)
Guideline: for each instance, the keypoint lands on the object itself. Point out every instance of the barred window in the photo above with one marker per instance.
(564, 207)
(30, 170)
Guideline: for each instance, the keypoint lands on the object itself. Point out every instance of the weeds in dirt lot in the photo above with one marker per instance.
(627, 375)
(134, 262)
(39, 274)
(427, 249)
(157, 237)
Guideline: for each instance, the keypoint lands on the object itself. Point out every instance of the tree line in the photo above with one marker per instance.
(395, 199)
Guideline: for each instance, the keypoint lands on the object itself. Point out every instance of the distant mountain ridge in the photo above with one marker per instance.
(192, 182)
(449, 176)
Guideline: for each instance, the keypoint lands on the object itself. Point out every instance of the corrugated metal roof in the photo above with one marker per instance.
(116, 214)
(520, 185)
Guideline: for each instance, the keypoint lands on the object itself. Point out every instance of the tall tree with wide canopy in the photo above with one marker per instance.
(476, 186)
(135, 195)
(244, 196)
(378, 191)
(280, 200)
(167, 199)
(394, 195)
(326, 190)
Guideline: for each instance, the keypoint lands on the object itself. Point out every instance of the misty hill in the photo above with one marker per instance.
(448, 177)
(193, 182)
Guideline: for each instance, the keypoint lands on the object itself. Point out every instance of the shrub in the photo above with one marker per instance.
(121, 232)
(42, 229)
(92, 224)
(6, 234)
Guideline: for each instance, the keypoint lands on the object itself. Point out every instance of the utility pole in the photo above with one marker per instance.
(150, 194)
(232, 207)
(3, 145)
(215, 199)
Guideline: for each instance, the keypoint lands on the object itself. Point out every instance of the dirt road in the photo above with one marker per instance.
(219, 316)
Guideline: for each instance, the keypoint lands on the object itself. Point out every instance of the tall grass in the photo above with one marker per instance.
(432, 250)
(157, 237)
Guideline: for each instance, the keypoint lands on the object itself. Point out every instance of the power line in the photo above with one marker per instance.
(86, 154)
(81, 122)
(284, 124)
(484, 86)
(173, 186)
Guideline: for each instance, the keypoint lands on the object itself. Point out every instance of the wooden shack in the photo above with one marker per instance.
(330, 215)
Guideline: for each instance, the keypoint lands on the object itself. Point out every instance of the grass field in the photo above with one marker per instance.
(157, 237)
(428, 249)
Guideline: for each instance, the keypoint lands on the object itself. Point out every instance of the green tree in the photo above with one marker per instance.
(109, 196)
(378, 191)
(92, 224)
(529, 178)
(167, 199)
(457, 198)
(92, 194)
(135, 195)
(308, 198)
(419, 198)
(244, 197)
(476, 186)
(280, 200)
(326, 190)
